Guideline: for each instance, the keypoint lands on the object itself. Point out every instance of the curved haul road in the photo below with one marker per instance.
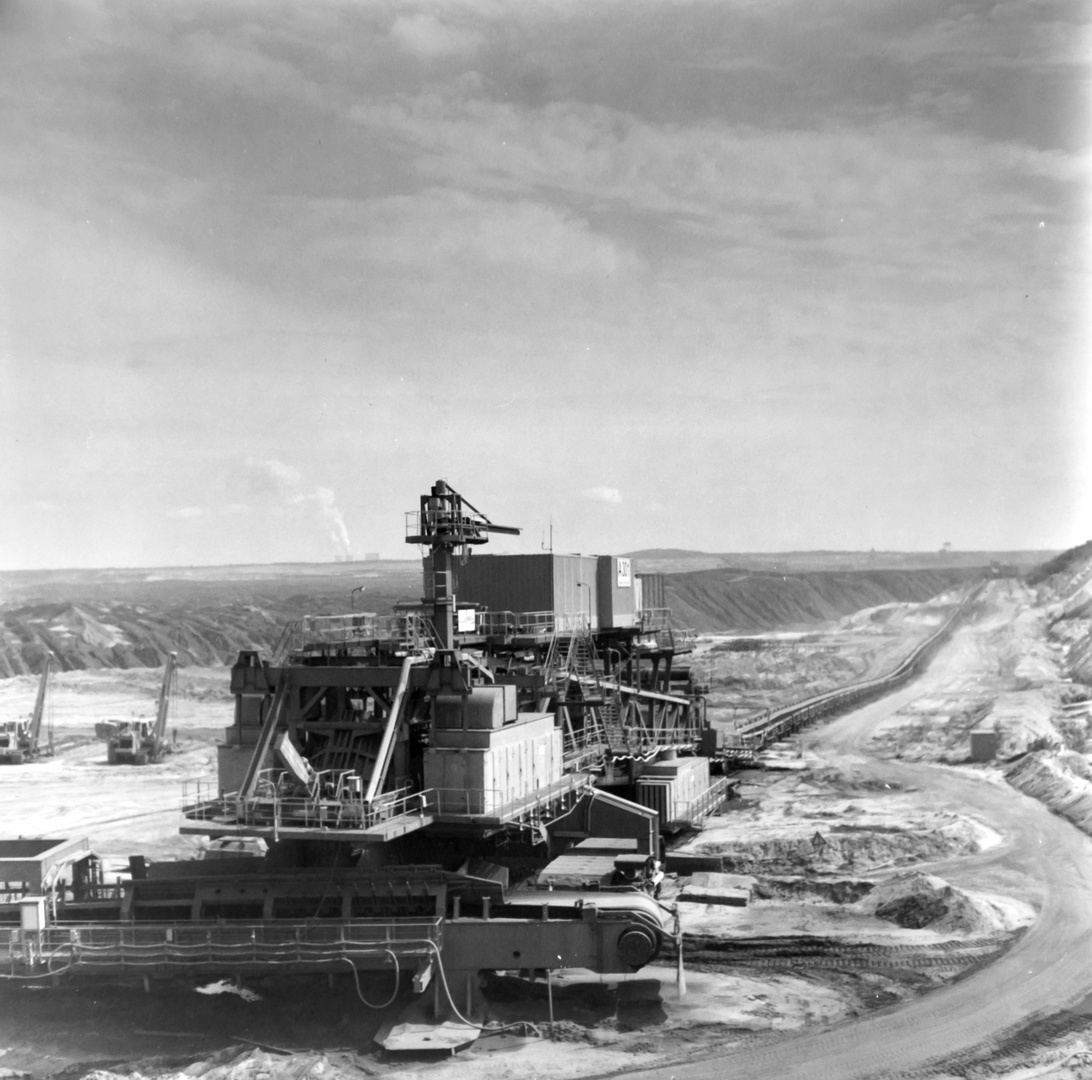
(1049, 969)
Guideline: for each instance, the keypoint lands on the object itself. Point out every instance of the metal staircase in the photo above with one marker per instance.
(610, 717)
(581, 659)
(571, 655)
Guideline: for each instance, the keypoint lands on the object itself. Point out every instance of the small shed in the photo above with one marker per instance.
(32, 866)
(985, 742)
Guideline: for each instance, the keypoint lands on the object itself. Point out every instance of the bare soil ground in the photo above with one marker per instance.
(750, 673)
(870, 889)
(708, 600)
(91, 619)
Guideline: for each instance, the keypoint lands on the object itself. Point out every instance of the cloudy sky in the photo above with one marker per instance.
(736, 275)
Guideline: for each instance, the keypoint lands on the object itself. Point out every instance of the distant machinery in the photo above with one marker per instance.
(20, 740)
(138, 742)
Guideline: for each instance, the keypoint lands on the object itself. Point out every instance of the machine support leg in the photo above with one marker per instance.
(466, 995)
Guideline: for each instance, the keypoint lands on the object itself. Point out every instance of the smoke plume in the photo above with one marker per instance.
(271, 481)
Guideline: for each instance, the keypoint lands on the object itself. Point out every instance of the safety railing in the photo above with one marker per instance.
(697, 810)
(270, 807)
(231, 945)
(585, 748)
(463, 802)
(535, 623)
(495, 623)
(641, 739)
(571, 622)
(494, 803)
(317, 634)
(274, 806)
(655, 619)
(424, 526)
(684, 638)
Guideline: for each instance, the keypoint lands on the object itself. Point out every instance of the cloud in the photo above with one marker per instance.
(440, 227)
(266, 479)
(603, 494)
(187, 512)
(1005, 35)
(876, 193)
(242, 65)
(426, 37)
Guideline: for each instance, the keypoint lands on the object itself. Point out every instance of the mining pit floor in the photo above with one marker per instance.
(910, 913)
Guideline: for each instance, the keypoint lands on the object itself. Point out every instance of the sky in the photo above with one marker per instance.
(726, 275)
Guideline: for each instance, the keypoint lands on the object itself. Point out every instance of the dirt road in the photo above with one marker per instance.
(1047, 970)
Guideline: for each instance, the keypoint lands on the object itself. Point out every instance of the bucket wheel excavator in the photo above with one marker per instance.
(473, 782)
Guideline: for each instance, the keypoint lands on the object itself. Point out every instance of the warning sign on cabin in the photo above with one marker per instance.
(625, 574)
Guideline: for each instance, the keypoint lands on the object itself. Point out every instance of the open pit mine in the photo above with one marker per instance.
(526, 820)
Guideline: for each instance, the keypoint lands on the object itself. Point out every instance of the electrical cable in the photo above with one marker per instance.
(447, 993)
(356, 979)
(430, 945)
(47, 973)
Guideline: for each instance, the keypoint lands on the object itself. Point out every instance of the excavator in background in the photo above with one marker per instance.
(137, 742)
(20, 740)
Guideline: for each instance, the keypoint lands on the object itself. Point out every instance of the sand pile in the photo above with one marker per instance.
(1072, 615)
(1075, 637)
(1024, 719)
(1063, 781)
(246, 1063)
(813, 890)
(919, 901)
(818, 847)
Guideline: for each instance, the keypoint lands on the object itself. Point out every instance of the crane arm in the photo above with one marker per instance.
(164, 698)
(482, 521)
(39, 701)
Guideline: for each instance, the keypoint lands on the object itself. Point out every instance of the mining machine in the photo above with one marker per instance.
(476, 781)
(20, 740)
(138, 742)
(466, 716)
